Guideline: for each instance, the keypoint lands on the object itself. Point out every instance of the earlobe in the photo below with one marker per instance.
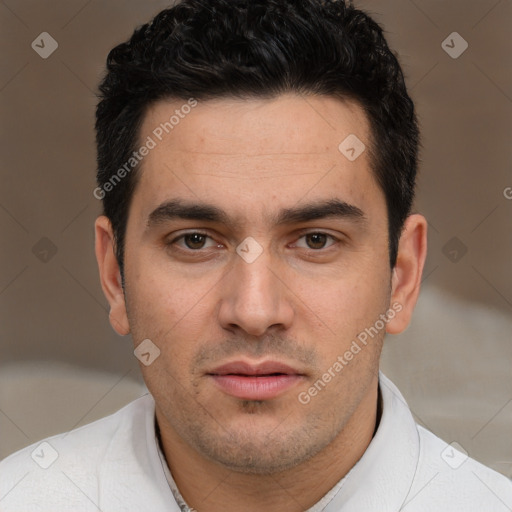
(110, 275)
(406, 275)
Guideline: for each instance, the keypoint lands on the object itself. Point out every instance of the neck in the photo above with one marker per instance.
(208, 486)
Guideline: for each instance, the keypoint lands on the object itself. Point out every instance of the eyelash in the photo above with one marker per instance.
(182, 236)
(201, 233)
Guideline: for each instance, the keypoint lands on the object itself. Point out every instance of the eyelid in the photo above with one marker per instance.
(304, 232)
(298, 235)
(182, 235)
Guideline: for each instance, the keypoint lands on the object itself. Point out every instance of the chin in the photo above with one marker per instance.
(246, 452)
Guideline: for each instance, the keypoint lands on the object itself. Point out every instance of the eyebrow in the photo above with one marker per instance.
(179, 209)
(320, 210)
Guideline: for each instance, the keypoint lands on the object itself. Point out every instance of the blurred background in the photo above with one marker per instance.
(61, 365)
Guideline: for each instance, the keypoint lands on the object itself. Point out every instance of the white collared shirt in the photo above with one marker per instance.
(115, 465)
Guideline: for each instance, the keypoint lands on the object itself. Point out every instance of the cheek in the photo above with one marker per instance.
(173, 312)
(159, 294)
(174, 317)
(351, 302)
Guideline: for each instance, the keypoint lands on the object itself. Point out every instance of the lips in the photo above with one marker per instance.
(259, 381)
(263, 368)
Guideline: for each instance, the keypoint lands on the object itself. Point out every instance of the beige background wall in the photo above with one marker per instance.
(61, 364)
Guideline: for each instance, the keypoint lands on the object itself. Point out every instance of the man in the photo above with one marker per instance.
(256, 163)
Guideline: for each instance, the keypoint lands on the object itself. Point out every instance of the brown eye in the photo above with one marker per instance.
(316, 240)
(195, 240)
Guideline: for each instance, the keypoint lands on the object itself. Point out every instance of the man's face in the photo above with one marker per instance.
(256, 252)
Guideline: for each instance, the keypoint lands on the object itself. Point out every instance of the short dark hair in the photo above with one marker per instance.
(206, 49)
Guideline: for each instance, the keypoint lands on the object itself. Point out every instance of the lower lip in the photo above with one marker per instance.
(262, 387)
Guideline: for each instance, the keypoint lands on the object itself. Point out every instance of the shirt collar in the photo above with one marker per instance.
(383, 477)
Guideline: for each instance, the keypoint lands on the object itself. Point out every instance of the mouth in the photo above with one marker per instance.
(255, 381)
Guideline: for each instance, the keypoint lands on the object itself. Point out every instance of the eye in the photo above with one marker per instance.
(316, 241)
(193, 241)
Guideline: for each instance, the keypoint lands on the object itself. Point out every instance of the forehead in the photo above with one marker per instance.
(227, 150)
(276, 124)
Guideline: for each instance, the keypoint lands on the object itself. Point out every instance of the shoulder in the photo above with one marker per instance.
(427, 473)
(66, 469)
(448, 479)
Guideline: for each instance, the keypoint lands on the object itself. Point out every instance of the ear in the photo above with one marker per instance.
(110, 275)
(406, 275)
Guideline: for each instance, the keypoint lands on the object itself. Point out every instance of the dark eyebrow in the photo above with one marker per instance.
(178, 209)
(320, 210)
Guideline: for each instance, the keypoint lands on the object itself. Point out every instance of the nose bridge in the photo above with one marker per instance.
(253, 298)
(256, 280)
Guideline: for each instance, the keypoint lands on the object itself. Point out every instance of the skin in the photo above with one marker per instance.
(302, 301)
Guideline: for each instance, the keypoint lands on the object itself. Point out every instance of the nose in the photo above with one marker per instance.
(254, 298)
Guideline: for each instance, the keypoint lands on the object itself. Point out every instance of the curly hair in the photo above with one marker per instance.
(206, 49)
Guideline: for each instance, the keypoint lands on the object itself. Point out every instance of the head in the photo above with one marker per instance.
(240, 230)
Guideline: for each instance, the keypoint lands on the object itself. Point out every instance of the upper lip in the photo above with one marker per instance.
(251, 369)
